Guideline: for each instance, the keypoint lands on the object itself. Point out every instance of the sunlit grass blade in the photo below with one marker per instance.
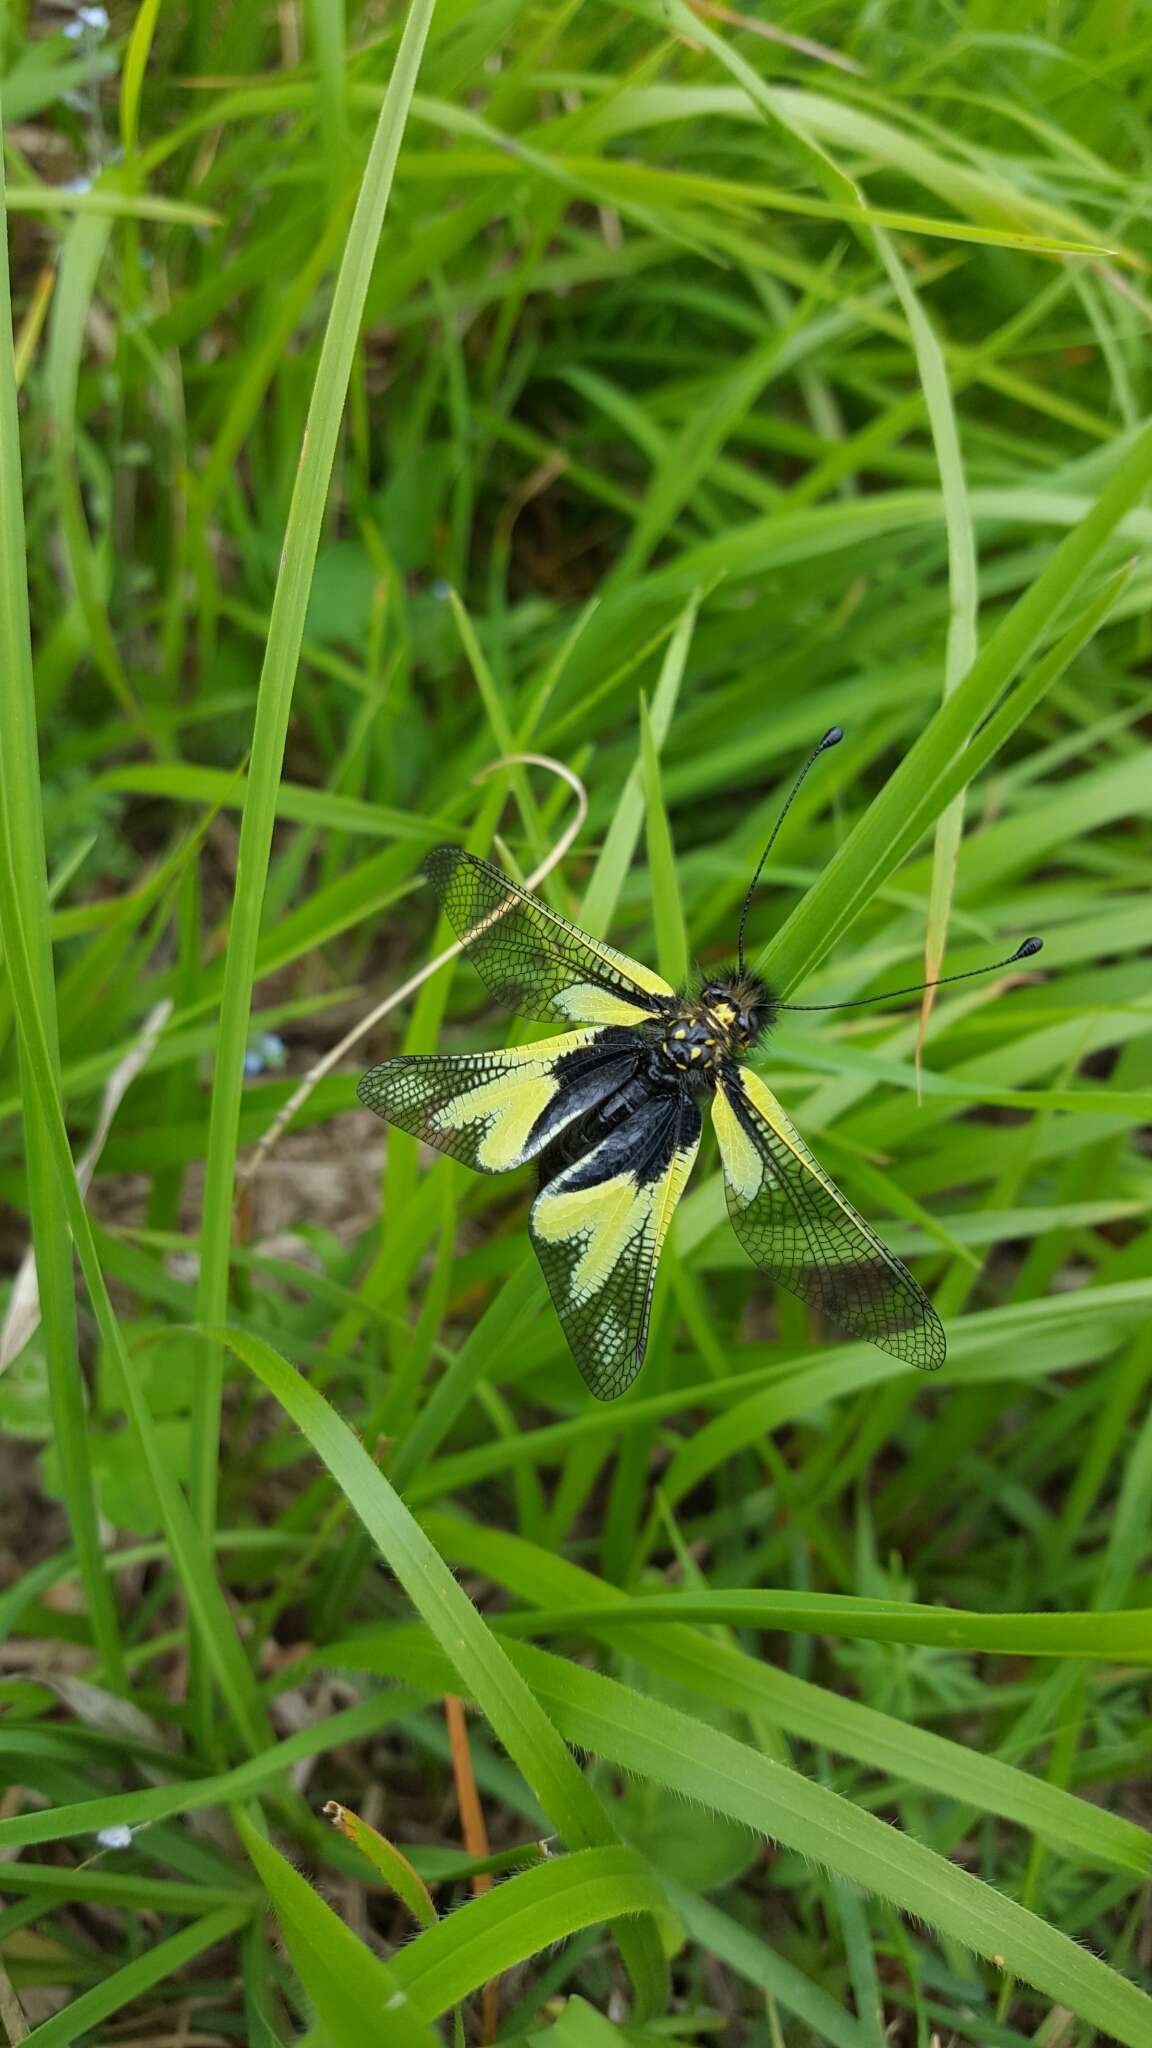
(731, 1676)
(483, 1665)
(963, 594)
(83, 254)
(521, 1918)
(670, 1748)
(615, 858)
(1123, 1636)
(285, 633)
(667, 912)
(927, 777)
(384, 1857)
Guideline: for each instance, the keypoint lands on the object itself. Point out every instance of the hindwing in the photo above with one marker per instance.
(598, 1229)
(792, 1220)
(534, 961)
(494, 1110)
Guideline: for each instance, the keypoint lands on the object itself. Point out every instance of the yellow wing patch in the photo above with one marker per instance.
(480, 1108)
(602, 1220)
(743, 1164)
(507, 1106)
(588, 1004)
(598, 1229)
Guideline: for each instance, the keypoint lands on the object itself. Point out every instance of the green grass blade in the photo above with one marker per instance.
(620, 840)
(387, 1860)
(189, 1553)
(732, 1677)
(667, 910)
(521, 1918)
(285, 634)
(22, 852)
(267, 1770)
(84, 250)
(1123, 1636)
(759, 1963)
(673, 1749)
(873, 849)
(963, 594)
(135, 67)
(515, 1717)
(357, 1997)
(135, 1979)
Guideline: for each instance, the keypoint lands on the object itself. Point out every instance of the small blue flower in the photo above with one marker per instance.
(91, 23)
(265, 1051)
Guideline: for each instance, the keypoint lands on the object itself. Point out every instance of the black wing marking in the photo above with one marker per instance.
(793, 1220)
(494, 1110)
(598, 1229)
(532, 960)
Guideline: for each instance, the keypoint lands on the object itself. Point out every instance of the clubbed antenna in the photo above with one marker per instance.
(1023, 952)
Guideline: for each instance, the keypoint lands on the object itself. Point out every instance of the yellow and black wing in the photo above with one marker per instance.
(793, 1220)
(598, 1229)
(494, 1110)
(534, 961)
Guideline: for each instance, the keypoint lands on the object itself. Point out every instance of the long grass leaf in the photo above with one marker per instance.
(22, 852)
(356, 1996)
(285, 633)
(667, 1747)
(190, 1553)
(484, 1668)
(521, 1918)
(934, 761)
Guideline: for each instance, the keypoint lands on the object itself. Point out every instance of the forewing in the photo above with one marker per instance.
(532, 960)
(494, 1110)
(598, 1229)
(793, 1220)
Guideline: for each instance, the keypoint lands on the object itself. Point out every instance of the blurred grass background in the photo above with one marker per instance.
(646, 388)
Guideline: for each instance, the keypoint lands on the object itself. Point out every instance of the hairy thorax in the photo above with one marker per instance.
(715, 1026)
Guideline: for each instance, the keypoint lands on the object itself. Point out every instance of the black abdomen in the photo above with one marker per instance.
(584, 1133)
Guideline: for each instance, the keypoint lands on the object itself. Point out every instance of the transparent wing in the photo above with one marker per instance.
(494, 1110)
(533, 961)
(598, 1229)
(793, 1220)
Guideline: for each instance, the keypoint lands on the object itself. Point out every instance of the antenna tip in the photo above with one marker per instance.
(832, 738)
(1029, 947)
